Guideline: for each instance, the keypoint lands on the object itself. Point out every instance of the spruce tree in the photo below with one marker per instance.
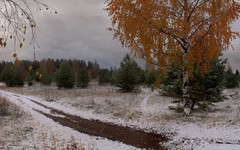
(29, 79)
(128, 76)
(237, 73)
(8, 76)
(46, 79)
(172, 83)
(83, 78)
(65, 76)
(151, 78)
(113, 76)
(208, 89)
(19, 81)
(205, 90)
(104, 76)
(237, 76)
(12, 77)
(142, 76)
(231, 80)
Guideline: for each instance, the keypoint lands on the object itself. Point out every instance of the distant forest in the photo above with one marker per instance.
(50, 66)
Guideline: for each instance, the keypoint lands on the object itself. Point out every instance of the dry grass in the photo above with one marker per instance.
(60, 93)
(104, 100)
(101, 101)
(18, 131)
(9, 109)
(22, 133)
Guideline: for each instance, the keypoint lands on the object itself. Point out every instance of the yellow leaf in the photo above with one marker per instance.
(30, 68)
(40, 76)
(14, 55)
(21, 45)
(37, 73)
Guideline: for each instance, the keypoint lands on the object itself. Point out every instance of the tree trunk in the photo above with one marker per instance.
(187, 103)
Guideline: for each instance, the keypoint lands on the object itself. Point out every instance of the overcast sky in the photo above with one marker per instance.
(79, 31)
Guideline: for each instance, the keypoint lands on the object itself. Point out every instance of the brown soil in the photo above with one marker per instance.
(135, 137)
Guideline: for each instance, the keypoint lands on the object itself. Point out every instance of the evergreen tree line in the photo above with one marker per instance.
(46, 71)
(68, 73)
(204, 89)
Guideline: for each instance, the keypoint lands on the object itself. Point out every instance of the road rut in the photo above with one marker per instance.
(135, 137)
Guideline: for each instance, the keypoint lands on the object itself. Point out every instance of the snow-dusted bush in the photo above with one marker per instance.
(7, 108)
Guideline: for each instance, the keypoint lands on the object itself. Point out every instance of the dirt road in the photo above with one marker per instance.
(127, 135)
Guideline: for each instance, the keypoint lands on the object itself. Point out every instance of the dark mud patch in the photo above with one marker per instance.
(135, 137)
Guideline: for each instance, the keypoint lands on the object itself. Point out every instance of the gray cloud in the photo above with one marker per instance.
(79, 31)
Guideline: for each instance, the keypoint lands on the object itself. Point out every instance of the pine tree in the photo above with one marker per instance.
(151, 78)
(104, 76)
(204, 89)
(45, 79)
(29, 79)
(12, 77)
(8, 76)
(208, 89)
(237, 73)
(172, 83)
(237, 76)
(128, 75)
(113, 76)
(231, 80)
(83, 78)
(18, 79)
(65, 76)
(142, 77)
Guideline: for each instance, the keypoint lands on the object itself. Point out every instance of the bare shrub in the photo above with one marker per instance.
(74, 145)
(7, 109)
(4, 105)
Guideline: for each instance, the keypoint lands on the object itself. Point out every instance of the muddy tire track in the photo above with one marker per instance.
(135, 137)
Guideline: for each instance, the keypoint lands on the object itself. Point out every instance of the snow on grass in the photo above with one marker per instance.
(220, 147)
(149, 111)
(62, 133)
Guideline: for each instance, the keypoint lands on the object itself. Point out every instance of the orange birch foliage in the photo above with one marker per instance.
(166, 32)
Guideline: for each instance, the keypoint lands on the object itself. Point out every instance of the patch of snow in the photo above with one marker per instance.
(220, 147)
(201, 131)
(62, 131)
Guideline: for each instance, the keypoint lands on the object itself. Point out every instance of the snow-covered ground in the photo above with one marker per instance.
(48, 134)
(218, 129)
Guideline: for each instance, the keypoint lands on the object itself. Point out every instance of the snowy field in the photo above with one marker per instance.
(147, 110)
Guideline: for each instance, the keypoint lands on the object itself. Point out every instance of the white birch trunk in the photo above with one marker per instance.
(187, 102)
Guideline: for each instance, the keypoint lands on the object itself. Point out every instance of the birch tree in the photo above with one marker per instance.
(173, 31)
(16, 18)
